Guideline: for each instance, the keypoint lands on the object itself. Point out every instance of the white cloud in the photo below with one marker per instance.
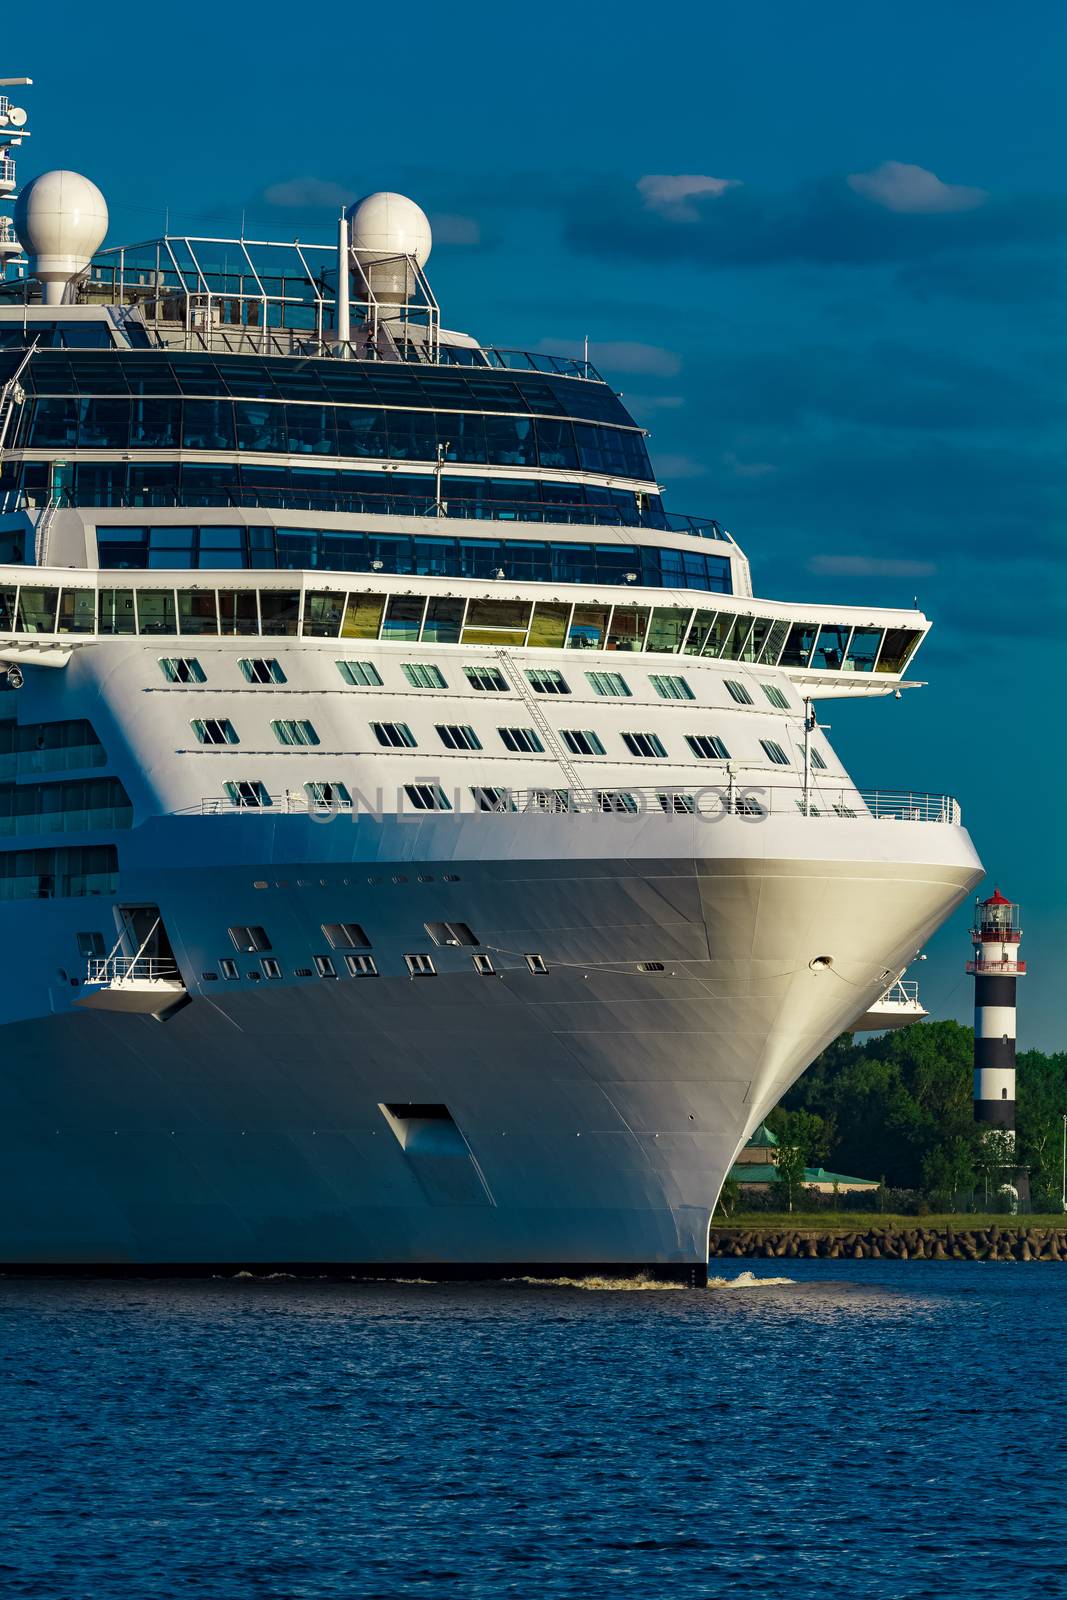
(869, 567)
(653, 402)
(748, 469)
(619, 355)
(668, 466)
(302, 192)
(671, 194)
(900, 187)
(449, 227)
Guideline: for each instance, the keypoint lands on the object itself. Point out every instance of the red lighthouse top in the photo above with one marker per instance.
(996, 922)
(996, 899)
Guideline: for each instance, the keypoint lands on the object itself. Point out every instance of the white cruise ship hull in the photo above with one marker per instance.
(583, 1118)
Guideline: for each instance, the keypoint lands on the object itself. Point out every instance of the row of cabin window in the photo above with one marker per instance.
(250, 546)
(287, 731)
(541, 386)
(579, 741)
(56, 874)
(418, 963)
(271, 427)
(525, 741)
(32, 748)
(406, 618)
(252, 796)
(75, 806)
(349, 940)
(253, 940)
(424, 675)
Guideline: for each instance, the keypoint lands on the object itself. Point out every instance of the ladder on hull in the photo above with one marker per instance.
(44, 527)
(553, 743)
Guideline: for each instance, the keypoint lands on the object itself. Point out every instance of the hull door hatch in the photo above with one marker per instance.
(140, 975)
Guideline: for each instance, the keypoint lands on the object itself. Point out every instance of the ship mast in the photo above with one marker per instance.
(13, 130)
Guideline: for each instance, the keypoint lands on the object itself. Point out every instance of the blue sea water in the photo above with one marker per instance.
(865, 1429)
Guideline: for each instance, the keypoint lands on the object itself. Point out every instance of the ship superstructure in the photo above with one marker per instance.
(420, 846)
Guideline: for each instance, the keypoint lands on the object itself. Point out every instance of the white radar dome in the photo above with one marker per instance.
(385, 224)
(60, 219)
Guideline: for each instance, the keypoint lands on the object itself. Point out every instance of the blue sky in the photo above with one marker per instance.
(821, 249)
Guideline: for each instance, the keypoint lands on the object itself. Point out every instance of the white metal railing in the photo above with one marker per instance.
(750, 800)
(904, 992)
(106, 970)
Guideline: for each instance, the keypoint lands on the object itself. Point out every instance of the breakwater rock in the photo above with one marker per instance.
(892, 1244)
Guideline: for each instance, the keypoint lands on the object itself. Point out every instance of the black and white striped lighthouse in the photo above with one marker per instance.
(996, 967)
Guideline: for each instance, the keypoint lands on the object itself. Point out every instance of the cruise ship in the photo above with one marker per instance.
(421, 853)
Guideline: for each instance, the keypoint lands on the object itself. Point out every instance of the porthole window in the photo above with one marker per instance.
(332, 795)
(456, 737)
(261, 669)
(774, 752)
(707, 747)
(521, 740)
(214, 730)
(345, 936)
(294, 730)
(645, 744)
(609, 683)
(671, 687)
(493, 799)
(422, 675)
(616, 800)
(451, 933)
(182, 669)
(677, 804)
(247, 794)
(394, 735)
(546, 680)
(582, 742)
(360, 674)
(489, 680)
(427, 797)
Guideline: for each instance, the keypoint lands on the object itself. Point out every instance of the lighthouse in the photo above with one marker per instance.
(996, 967)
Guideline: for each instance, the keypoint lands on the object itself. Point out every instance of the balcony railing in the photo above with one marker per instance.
(750, 801)
(338, 502)
(904, 992)
(103, 971)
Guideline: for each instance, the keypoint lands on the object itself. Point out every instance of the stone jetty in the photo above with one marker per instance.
(1009, 1243)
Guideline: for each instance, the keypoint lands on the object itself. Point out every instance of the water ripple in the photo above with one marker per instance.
(858, 1431)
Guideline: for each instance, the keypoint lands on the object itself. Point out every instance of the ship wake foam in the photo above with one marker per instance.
(747, 1280)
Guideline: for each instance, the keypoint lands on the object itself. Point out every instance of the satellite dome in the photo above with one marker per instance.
(387, 224)
(60, 219)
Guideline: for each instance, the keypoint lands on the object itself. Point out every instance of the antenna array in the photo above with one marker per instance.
(13, 130)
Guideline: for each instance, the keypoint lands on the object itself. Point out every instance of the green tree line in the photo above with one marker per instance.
(899, 1107)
